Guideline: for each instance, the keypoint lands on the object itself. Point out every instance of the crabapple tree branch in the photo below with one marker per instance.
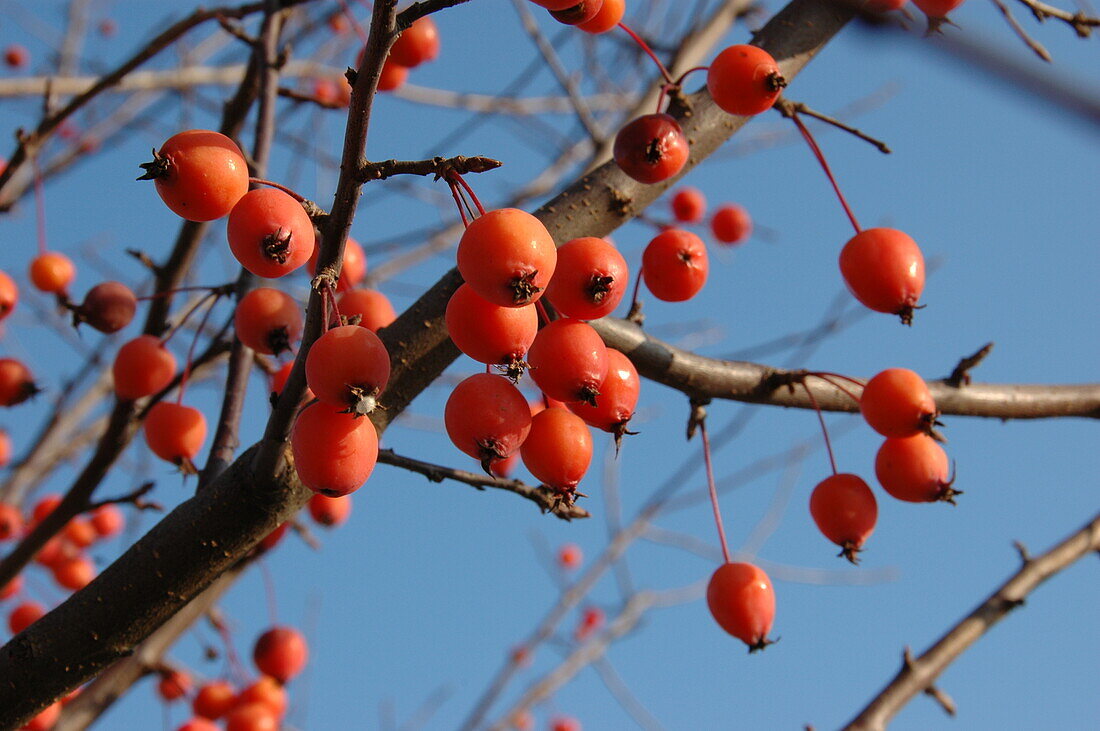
(437, 166)
(919, 674)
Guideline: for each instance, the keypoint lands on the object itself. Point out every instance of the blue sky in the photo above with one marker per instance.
(429, 585)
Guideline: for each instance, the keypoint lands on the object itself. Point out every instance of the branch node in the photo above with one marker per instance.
(961, 375)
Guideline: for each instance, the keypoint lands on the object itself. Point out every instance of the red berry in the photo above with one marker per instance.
(393, 76)
(80, 532)
(52, 272)
(742, 601)
(608, 17)
(5, 451)
(590, 279)
(352, 270)
(13, 587)
(108, 521)
(731, 224)
(267, 690)
(279, 378)
(16, 382)
(329, 511)
(915, 469)
(507, 256)
(16, 56)
(937, 8)
(884, 269)
(200, 175)
(280, 652)
(24, 616)
(558, 449)
(214, 700)
(489, 333)
(252, 717)
(570, 556)
(11, 522)
(108, 307)
(651, 148)
(173, 685)
(45, 505)
(334, 452)
(744, 80)
(569, 361)
(270, 233)
(487, 417)
(689, 205)
(618, 396)
(175, 433)
(416, 44)
(348, 367)
(845, 511)
(565, 723)
(675, 265)
(142, 367)
(9, 293)
(583, 11)
(199, 724)
(268, 321)
(897, 403)
(373, 307)
(45, 719)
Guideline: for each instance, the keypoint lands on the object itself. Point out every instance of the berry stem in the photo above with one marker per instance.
(649, 52)
(277, 186)
(470, 192)
(713, 488)
(821, 420)
(183, 320)
(195, 341)
(544, 316)
(683, 76)
(634, 314)
(825, 166)
(177, 290)
(828, 379)
(39, 205)
(457, 195)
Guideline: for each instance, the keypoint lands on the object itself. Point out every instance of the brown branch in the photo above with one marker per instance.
(920, 674)
(437, 166)
(418, 10)
(547, 499)
(789, 108)
(1038, 48)
(699, 376)
(1082, 24)
(961, 375)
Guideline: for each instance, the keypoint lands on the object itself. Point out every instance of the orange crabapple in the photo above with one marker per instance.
(568, 361)
(270, 233)
(741, 599)
(507, 256)
(915, 469)
(884, 270)
(142, 367)
(373, 308)
(845, 511)
(175, 433)
(675, 265)
(268, 320)
(487, 418)
(349, 367)
(744, 80)
(200, 175)
(334, 451)
(281, 652)
(897, 403)
(651, 148)
(590, 279)
(16, 382)
(52, 272)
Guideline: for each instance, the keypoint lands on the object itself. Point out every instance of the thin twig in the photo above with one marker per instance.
(787, 108)
(1018, 29)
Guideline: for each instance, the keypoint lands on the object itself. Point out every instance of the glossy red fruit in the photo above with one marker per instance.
(200, 175)
(608, 17)
(884, 269)
(142, 367)
(108, 521)
(489, 333)
(267, 690)
(173, 685)
(252, 717)
(618, 397)
(570, 556)
(353, 268)
(937, 8)
(334, 452)
(487, 418)
(507, 256)
(583, 11)
(281, 652)
(24, 616)
(915, 469)
(590, 279)
(199, 724)
(270, 233)
(16, 382)
(268, 321)
(742, 601)
(5, 450)
(372, 307)
(329, 511)
(9, 293)
(52, 272)
(569, 361)
(689, 205)
(279, 378)
(897, 403)
(175, 433)
(55, 552)
(348, 367)
(744, 80)
(108, 307)
(558, 449)
(675, 265)
(731, 224)
(651, 148)
(45, 719)
(11, 522)
(393, 76)
(214, 700)
(417, 44)
(845, 511)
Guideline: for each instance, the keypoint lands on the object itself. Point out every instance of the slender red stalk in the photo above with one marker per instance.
(821, 420)
(714, 491)
(828, 379)
(277, 186)
(649, 52)
(825, 166)
(470, 192)
(39, 205)
(335, 307)
(183, 320)
(456, 194)
(689, 72)
(544, 316)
